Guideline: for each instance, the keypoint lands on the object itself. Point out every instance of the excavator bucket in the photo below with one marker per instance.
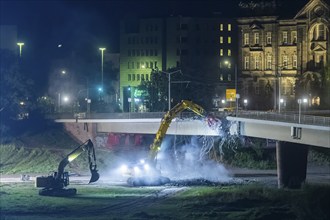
(95, 176)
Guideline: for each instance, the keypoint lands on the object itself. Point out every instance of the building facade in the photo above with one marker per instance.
(204, 49)
(276, 54)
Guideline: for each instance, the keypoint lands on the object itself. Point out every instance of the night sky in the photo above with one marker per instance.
(84, 26)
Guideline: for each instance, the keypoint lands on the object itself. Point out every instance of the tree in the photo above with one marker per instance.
(16, 95)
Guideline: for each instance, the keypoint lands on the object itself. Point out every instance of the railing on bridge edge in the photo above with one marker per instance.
(260, 115)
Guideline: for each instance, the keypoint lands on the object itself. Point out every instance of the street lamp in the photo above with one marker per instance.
(102, 49)
(300, 101)
(20, 44)
(245, 101)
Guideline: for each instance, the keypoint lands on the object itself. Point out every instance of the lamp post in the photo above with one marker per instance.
(236, 95)
(300, 101)
(102, 49)
(20, 44)
(245, 101)
(169, 85)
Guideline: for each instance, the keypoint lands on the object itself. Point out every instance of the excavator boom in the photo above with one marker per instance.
(55, 183)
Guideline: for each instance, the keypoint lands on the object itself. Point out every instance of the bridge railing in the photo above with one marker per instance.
(270, 116)
(291, 118)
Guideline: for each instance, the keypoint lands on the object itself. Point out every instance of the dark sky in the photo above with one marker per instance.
(83, 26)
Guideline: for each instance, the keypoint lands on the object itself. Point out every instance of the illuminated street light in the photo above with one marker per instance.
(20, 44)
(245, 101)
(63, 72)
(301, 101)
(102, 49)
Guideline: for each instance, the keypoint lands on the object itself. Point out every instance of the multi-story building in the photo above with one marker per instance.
(204, 49)
(274, 53)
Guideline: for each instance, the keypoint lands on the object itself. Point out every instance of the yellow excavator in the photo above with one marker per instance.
(54, 184)
(145, 173)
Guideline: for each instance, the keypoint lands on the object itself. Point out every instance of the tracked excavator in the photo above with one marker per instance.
(55, 184)
(145, 172)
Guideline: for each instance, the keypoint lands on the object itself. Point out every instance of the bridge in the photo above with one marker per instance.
(293, 133)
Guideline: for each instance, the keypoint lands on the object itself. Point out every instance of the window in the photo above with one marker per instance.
(285, 37)
(256, 38)
(246, 62)
(294, 37)
(229, 52)
(128, 66)
(229, 40)
(155, 64)
(221, 52)
(129, 77)
(132, 65)
(221, 27)
(133, 53)
(229, 27)
(151, 52)
(257, 62)
(229, 77)
(147, 77)
(319, 32)
(257, 89)
(138, 77)
(133, 77)
(156, 52)
(221, 40)
(269, 38)
(138, 65)
(142, 77)
(151, 65)
(129, 53)
(142, 52)
(294, 61)
(246, 38)
(269, 62)
(285, 62)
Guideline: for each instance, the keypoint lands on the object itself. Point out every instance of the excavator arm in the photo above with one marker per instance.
(166, 121)
(54, 185)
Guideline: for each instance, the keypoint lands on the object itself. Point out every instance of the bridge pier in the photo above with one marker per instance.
(291, 164)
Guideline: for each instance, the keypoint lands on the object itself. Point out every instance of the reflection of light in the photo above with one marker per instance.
(136, 170)
(146, 166)
(142, 161)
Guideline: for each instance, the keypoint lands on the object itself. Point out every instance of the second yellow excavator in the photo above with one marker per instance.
(146, 173)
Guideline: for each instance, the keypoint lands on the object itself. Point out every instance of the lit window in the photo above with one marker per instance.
(294, 61)
(229, 52)
(229, 27)
(221, 52)
(257, 62)
(229, 40)
(269, 38)
(246, 38)
(221, 27)
(256, 38)
(246, 62)
(221, 40)
(294, 37)
(269, 62)
(285, 62)
(285, 37)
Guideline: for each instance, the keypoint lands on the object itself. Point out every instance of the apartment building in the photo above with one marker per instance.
(275, 52)
(204, 49)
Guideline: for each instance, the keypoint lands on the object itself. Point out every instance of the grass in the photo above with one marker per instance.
(21, 201)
